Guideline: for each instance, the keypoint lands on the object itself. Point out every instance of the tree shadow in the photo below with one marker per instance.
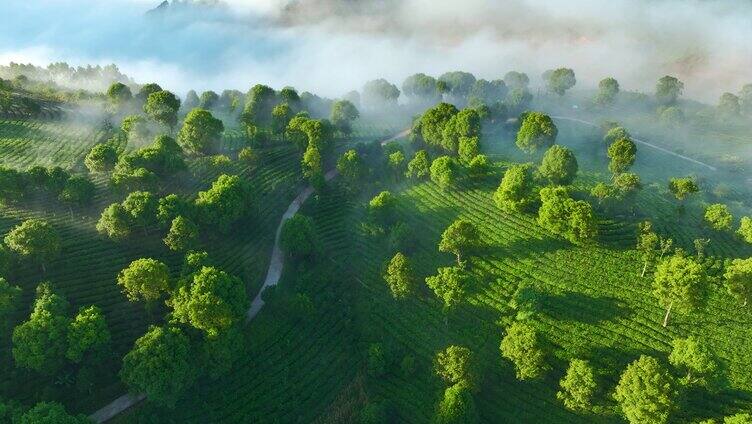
(573, 306)
(523, 248)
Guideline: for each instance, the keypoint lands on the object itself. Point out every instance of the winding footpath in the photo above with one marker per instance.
(273, 274)
(643, 142)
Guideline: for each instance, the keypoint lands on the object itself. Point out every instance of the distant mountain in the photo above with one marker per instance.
(167, 6)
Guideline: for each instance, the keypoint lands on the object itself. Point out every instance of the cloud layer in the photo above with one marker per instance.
(332, 46)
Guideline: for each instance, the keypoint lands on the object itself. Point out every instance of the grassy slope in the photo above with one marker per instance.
(595, 304)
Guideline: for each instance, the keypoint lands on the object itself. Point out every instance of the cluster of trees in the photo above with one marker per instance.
(202, 334)
(497, 99)
(51, 339)
(73, 190)
(227, 201)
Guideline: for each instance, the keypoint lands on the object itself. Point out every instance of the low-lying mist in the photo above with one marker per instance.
(333, 46)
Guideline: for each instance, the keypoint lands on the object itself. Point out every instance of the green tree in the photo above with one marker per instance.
(682, 187)
(668, 89)
(521, 346)
(738, 278)
(729, 105)
(456, 407)
(381, 209)
(449, 285)
(443, 172)
(455, 366)
(159, 365)
(559, 165)
(396, 162)
(718, 217)
(537, 131)
(41, 342)
(648, 244)
(88, 334)
(460, 237)
(191, 100)
(469, 148)
(578, 386)
(695, 358)
(200, 132)
(422, 88)
(342, 116)
(142, 208)
(465, 123)
(114, 222)
(419, 167)
(622, 154)
(162, 106)
(281, 116)
(311, 164)
(562, 215)
(352, 168)
(616, 133)
(78, 191)
(380, 93)
(259, 104)
(608, 89)
(645, 392)
(183, 235)
(119, 94)
(433, 121)
(144, 279)
(213, 302)
(745, 229)
(458, 84)
(560, 80)
(226, 202)
(50, 413)
(208, 100)
(147, 89)
(515, 192)
(742, 418)
(678, 283)
(173, 206)
(36, 240)
(298, 236)
(399, 276)
(101, 158)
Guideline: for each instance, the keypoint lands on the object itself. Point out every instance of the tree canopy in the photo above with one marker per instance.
(144, 279)
(678, 284)
(200, 132)
(521, 346)
(536, 132)
(212, 302)
(160, 365)
(559, 165)
(645, 392)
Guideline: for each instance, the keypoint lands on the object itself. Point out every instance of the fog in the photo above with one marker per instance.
(333, 46)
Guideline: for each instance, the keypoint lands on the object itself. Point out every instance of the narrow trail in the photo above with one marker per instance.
(273, 274)
(643, 142)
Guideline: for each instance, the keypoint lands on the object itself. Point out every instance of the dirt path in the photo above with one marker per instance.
(643, 142)
(273, 274)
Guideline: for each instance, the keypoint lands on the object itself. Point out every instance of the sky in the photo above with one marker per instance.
(333, 46)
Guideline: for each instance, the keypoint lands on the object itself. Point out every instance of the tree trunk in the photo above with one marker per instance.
(668, 311)
(44, 269)
(644, 268)
(459, 259)
(745, 302)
